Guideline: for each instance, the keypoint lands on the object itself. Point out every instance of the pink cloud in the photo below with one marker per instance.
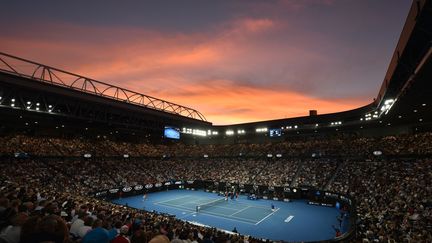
(255, 25)
(226, 102)
(233, 73)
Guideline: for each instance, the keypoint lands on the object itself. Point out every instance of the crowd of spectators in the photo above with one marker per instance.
(343, 146)
(106, 173)
(316, 173)
(394, 198)
(47, 198)
(42, 204)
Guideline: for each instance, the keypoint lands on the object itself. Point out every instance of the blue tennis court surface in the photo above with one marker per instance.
(234, 210)
(290, 221)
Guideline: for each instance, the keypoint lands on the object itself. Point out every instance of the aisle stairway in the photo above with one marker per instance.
(300, 167)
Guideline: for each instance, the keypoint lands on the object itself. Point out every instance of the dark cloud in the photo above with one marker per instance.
(323, 54)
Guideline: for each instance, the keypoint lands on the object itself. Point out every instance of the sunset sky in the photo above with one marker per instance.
(234, 61)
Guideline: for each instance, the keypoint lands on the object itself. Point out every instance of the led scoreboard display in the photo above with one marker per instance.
(275, 132)
(171, 132)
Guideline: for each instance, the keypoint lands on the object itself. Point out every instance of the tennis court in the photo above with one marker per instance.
(294, 221)
(229, 209)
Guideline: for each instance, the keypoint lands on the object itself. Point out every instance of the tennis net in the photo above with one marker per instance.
(209, 204)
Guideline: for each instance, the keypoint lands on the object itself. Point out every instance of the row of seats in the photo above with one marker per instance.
(49, 195)
(343, 145)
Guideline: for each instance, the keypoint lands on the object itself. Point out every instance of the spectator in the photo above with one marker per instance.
(123, 237)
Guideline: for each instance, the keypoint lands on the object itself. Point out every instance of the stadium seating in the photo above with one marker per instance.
(51, 185)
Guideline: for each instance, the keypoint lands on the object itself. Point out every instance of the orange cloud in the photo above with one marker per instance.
(196, 56)
(226, 102)
(231, 74)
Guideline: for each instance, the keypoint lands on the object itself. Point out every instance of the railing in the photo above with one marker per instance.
(43, 73)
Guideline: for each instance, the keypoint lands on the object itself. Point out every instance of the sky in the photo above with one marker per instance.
(234, 61)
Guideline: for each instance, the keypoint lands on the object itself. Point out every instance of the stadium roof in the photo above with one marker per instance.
(42, 73)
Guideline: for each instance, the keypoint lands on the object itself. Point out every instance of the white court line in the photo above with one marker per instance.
(267, 216)
(178, 207)
(225, 216)
(234, 218)
(196, 203)
(171, 199)
(186, 215)
(204, 200)
(241, 210)
(214, 215)
(193, 202)
(216, 206)
(252, 205)
(287, 220)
